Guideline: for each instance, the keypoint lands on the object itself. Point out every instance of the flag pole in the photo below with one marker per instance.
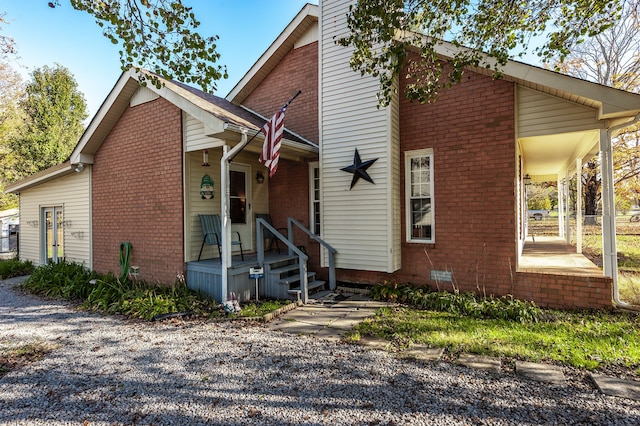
(244, 144)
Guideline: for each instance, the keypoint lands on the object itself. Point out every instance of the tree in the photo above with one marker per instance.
(159, 36)
(11, 91)
(611, 58)
(54, 111)
(488, 32)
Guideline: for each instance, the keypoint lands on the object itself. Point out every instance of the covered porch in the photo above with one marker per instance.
(552, 255)
(561, 125)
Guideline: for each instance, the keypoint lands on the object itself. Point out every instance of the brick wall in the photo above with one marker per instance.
(289, 197)
(471, 130)
(565, 291)
(298, 70)
(137, 193)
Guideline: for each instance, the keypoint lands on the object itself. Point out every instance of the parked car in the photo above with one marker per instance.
(539, 214)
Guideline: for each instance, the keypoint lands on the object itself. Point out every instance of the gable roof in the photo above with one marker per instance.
(301, 23)
(221, 119)
(615, 105)
(612, 104)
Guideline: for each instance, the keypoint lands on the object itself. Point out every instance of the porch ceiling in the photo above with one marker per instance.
(552, 155)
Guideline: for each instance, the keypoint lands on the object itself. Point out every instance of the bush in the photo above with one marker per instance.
(64, 280)
(14, 268)
(71, 281)
(505, 307)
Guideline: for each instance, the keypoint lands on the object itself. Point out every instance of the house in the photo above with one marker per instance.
(440, 200)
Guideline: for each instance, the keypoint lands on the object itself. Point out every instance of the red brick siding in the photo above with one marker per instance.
(137, 192)
(298, 70)
(471, 130)
(565, 291)
(289, 197)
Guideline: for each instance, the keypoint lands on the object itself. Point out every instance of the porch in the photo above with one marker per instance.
(555, 276)
(206, 276)
(552, 255)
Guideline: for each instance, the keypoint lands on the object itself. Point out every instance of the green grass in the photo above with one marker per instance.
(260, 308)
(579, 339)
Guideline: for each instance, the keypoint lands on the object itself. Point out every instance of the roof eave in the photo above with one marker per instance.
(47, 175)
(611, 103)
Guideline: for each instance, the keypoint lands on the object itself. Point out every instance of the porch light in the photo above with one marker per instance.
(526, 179)
(260, 177)
(205, 158)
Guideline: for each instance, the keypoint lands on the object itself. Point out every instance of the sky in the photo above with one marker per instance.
(46, 36)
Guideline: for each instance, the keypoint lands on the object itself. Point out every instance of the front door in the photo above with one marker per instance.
(240, 203)
(53, 234)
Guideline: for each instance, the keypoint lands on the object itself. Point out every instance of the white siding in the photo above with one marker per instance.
(143, 95)
(194, 204)
(360, 223)
(195, 138)
(72, 193)
(542, 114)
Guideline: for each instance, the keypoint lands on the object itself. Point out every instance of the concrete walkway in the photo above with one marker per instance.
(330, 316)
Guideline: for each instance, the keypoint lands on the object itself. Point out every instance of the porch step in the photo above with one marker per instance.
(285, 269)
(312, 285)
(296, 278)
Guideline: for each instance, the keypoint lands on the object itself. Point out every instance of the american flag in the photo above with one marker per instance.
(272, 130)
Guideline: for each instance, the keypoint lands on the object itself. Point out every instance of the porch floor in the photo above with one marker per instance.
(552, 255)
(250, 261)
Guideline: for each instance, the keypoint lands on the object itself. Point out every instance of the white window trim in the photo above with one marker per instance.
(312, 217)
(408, 155)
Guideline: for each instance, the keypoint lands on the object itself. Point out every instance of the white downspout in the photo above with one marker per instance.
(611, 222)
(224, 207)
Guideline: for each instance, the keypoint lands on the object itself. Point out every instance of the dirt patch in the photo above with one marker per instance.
(13, 357)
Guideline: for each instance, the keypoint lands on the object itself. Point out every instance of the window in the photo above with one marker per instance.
(314, 197)
(419, 195)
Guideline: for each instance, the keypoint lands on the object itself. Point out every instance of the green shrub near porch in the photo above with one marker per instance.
(71, 281)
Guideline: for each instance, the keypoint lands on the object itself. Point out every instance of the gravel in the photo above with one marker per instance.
(110, 371)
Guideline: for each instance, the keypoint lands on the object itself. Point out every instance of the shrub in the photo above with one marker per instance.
(15, 268)
(505, 307)
(71, 281)
(64, 280)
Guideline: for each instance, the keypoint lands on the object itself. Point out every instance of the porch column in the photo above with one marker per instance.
(560, 208)
(579, 205)
(609, 252)
(567, 206)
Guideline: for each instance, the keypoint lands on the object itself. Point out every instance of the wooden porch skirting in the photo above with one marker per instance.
(206, 276)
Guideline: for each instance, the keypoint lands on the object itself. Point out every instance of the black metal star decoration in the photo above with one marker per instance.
(359, 169)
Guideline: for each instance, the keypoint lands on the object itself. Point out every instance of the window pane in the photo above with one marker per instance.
(420, 177)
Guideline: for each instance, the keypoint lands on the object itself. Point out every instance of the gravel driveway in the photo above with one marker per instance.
(108, 371)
